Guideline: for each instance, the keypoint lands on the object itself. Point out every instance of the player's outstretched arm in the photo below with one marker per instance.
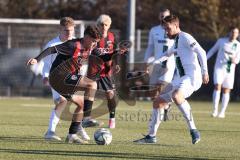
(213, 50)
(203, 62)
(43, 54)
(165, 55)
(46, 52)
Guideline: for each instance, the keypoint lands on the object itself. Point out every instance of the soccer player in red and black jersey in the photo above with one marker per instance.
(64, 74)
(107, 47)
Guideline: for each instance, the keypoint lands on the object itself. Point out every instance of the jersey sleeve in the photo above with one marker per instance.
(46, 66)
(201, 53)
(238, 54)
(66, 48)
(165, 55)
(213, 50)
(46, 52)
(47, 63)
(150, 47)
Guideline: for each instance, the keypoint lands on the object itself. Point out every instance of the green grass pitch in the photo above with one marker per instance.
(23, 123)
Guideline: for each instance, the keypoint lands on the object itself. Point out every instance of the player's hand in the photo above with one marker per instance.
(46, 81)
(205, 78)
(32, 61)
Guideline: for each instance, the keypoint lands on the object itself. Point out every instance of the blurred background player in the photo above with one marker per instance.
(188, 54)
(158, 43)
(106, 46)
(64, 74)
(66, 33)
(228, 54)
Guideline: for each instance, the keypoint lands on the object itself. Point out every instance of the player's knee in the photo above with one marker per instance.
(226, 90)
(159, 102)
(92, 85)
(177, 97)
(60, 100)
(110, 94)
(217, 87)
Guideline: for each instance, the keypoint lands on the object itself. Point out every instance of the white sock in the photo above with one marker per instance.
(80, 126)
(216, 98)
(156, 118)
(185, 108)
(225, 100)
(54, 119)
(86, 118)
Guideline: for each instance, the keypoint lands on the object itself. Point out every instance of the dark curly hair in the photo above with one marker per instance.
(93, 31)
(171, 19)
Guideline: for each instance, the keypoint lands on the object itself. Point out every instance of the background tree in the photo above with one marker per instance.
(205, 19)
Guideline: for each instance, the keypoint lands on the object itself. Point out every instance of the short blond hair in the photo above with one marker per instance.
(67, 21)
(104, 18)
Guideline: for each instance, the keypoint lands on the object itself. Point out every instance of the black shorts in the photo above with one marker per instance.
(105, 83)
(65, 83)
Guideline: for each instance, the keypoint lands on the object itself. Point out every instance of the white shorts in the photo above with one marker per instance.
(221, 76)
(186, 84)
(160, 74)
(55, 95)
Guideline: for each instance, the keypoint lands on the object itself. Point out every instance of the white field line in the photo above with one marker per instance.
(36, 105)
(130, 108)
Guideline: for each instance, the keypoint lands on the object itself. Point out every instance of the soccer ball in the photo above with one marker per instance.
(103, 136)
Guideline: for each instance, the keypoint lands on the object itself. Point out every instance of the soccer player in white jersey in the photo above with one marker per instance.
(158, 43)
(66, 33)
(188, 55)
(228, 53)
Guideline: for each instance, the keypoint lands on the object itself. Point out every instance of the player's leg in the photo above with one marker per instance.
(216, 98)
(60, 103)
(106, 84)
(218, 78)
(91, 87)
(156, 118)
(227, 86)
(79, 97)
(164, 73)
(179, 95)
(112, 104)
(76, 122)
(166, 109)
(225, 101)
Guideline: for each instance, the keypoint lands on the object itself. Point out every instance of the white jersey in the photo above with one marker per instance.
(158, 43)
(224, 70)
(48, 60)
(189, 54)
(226, 50)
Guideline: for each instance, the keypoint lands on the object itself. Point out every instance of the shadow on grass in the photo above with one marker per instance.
(97, 154)
(21, 139)
(29, 139)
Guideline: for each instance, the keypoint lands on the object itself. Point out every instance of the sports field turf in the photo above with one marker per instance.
(23, 123)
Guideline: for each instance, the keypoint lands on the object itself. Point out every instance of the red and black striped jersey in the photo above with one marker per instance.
(106, 47)
(70, 54)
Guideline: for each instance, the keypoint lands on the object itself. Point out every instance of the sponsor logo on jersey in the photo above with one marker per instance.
(162, 41)
(193, 44)
(74, 77)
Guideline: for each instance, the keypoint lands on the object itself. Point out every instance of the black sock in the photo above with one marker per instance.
(87, 108)
(74, 127)
(112, 107)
